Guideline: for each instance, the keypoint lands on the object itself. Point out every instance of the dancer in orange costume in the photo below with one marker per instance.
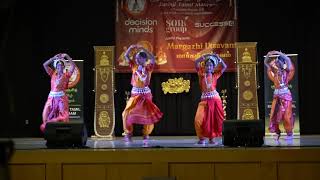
(209, 116)
(140, 109)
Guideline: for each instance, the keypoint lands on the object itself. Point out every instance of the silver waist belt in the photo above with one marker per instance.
(284, 90)
(56, 94)
(209, 95)
(144, 90)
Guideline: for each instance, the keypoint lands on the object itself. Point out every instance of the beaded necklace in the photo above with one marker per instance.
(58, 79)
(142, 76)
(208, 84)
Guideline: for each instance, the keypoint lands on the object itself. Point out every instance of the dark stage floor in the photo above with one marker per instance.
(169, 142)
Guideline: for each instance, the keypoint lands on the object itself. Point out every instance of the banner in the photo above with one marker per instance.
(247, 81)
(75, 92)
(104, 114)
(176, 31)
(293, 87)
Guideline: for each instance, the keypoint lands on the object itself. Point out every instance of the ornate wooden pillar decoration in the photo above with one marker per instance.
(104, 114)
(247, 81)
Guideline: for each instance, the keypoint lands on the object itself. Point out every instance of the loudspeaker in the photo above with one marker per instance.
(6, 151)
(65, 134)
(249, 133)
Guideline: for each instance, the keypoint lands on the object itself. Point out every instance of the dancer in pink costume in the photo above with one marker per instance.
(56, 108)
(280, 71)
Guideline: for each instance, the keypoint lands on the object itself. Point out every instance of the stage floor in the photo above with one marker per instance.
(167, 156)
(169, 142)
